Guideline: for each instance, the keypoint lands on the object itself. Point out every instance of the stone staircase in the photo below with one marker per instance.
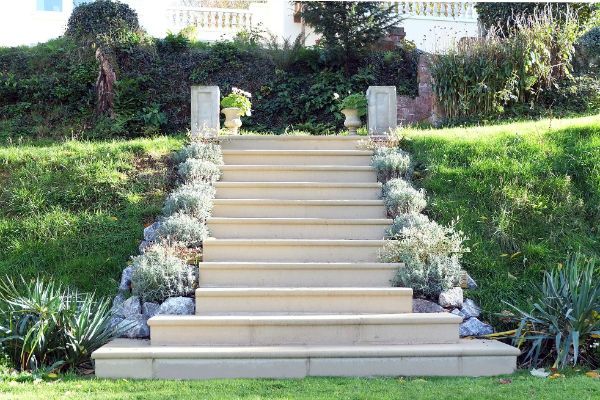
(291, 286)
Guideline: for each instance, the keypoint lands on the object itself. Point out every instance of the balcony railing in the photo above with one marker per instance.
(459, 11)
(226, 20)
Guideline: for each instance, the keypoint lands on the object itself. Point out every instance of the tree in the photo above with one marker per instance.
(349, 28)
(99, 25)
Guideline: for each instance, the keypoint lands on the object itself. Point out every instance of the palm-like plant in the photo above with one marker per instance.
(565, 315)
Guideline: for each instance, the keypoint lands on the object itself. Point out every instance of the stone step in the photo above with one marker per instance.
(126, 358)
(292, 250)
(277, 330)
(298, 190)
(297, 157)
(255, 301)
(291, 142)
(265, 274)
(297, 228)
(297, 173)
(281, 208)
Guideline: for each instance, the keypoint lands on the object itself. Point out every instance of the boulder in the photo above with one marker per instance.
(150, 309)
(115, 321)
(125, 285)
(136, 327)
(456, 311)
(474, 327)
(117, 306)
(150, 232)
(426, 306)
(144, 244)
(451, 298)
(177, 306)
(470, 309)
(131, 307)
(471, 284)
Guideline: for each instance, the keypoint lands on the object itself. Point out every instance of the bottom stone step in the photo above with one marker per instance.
(125, 358)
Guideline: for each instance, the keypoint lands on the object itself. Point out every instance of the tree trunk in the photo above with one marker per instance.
(105, 85)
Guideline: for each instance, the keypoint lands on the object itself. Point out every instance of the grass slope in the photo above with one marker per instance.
(517, 387)
(75, 210)
(527, 194)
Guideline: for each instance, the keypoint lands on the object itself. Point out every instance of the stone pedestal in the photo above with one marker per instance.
(205, 111)
(382, 109)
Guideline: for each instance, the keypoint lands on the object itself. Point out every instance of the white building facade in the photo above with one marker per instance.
(433, 26)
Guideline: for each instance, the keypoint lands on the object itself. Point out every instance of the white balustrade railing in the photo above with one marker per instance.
(210, 19)
(463, 10)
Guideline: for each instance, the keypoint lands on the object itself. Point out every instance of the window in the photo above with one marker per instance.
(49, 5)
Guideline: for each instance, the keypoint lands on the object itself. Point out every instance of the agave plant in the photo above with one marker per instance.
(565, 315)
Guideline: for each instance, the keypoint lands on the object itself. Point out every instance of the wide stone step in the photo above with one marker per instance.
(281, 208)
(297, 173)
(265, 274)
(291, 142)
(126, 358)
(274, 330)
(298, 190)
(292, 250)
(297, 157)
(236, 301)
(297, 228)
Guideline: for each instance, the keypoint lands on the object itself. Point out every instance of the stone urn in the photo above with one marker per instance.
(352, 121)
(232, 119)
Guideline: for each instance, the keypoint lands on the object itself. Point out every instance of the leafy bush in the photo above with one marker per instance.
(391, 163)
(564, 316)
(587, 53)
(194, 200)
(579, 95)
(400, 197)
(197, 170)
(200, 150)
(410, 220)
(182, 230)
(431, 254)
(158, 274)
(45, 325)
(238, 99)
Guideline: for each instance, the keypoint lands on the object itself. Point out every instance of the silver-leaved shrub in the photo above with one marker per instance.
(202, 151)
(400, 197)
(192, 199)
(197, 170)
(390, 163)
(158, 274)
(182, 230)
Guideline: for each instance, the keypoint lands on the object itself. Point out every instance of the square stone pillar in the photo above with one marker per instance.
(382, 109)
(205, 111)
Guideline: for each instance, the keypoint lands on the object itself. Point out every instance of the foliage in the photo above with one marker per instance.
(527, 194)
(577, 95)
(564, 316)
(431, 254)
(45, 325)
(238, 99)
(195, 170)
(487, 76)
(199, 150)
(400, 197)
(194, 200)
(587, 52)
(348, 28)
(182, 229)
(158, 274)
(357, 101)
(391, 163)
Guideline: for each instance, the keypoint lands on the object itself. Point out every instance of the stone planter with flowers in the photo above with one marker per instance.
(234, 106)
(353, 107)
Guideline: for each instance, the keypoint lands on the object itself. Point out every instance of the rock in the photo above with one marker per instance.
(470, 309)
(150, 309)
(125, 285)
(456, 311)
(150, 232)
(115, 321)
(471, 284)
(177, 306)
(117, 307)
(131, 306)
(144, 244)
(474, 327)
(136, 327)
(451, 298)
(426, 306)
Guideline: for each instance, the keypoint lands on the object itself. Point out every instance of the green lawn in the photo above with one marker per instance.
(526, 194)
(75, 210)
(518, 387)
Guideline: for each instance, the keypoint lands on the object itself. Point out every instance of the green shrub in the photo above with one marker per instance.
(564, 316)
(400, 197)
(194, 200)
(45, 325)
(391, 163)
(195, 170)
(182, 230)
(202, 151)
(431, 254)
(587, 52)
(158, 274)
(579, 95)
